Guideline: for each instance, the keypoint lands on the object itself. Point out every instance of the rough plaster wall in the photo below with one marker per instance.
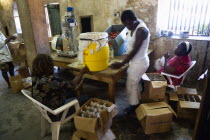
(103, 12)
(145, 10)
(7, 18)
(99, 10)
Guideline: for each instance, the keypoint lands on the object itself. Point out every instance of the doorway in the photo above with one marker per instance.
(86, 24)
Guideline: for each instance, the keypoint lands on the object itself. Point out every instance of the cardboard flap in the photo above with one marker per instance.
(75, 136)
(113, 110)
(155, 105)
(183, 90)
(85, 124)
(105, 121)
(158, 84)
(158, 111)
(200, 97)
(173, 97)
(153, 77)
(145, 77)
(192, 105)
(166, 106)
(140, 112)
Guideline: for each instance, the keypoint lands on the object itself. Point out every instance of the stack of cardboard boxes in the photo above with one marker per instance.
(155, 115)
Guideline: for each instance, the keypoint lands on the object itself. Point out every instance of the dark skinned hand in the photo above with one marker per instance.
(167, 55)
(13, 37)
(79, 85)
(116, 65)
(85, 69)
(78, 80)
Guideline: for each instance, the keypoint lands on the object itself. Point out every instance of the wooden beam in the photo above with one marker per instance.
(202, 126)
(34, 28)
(39, 26)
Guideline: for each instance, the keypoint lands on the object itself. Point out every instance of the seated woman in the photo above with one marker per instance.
(51, 90)
(178, 64)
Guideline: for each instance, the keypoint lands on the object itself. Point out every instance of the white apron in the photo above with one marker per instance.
(137, 66)
(5, 55)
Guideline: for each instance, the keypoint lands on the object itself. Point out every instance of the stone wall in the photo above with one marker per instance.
(102, 12)
(6, 16)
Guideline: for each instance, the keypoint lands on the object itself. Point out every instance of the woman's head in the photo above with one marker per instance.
(184, 48)
(42, 65)
(128, 18)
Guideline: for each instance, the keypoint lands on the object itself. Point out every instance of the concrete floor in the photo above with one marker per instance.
(20, 120)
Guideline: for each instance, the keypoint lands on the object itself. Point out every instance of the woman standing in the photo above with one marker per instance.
(137, 42)
(6, 64)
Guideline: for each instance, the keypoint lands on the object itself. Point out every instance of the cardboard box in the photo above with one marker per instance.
(155, 86)
(16, 83)
(145, 99)
(23, 72)
(92, 125)
(188, 110)
(187, 104)
(78, 135)
(65, 45)
(155, 117)
(183, 90)
(18, 52)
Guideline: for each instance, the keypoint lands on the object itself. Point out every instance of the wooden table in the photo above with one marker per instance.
(108, 76)
(62, 62)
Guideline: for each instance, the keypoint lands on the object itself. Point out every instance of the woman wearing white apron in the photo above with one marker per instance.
(6, 64)
(138, 39)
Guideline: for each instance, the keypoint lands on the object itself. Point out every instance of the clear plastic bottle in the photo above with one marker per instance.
(111, 53)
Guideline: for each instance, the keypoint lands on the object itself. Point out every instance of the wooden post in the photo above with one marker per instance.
(202, 126)
(34, 28)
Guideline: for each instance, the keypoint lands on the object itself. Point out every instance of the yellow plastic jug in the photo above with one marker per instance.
(96, 60)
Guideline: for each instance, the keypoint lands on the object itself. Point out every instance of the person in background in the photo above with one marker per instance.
(138, 39)
(6, 64)
(51, 90)
(179, 63)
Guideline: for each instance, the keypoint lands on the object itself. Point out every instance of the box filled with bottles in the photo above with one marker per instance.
(95, 116)
(187, 102)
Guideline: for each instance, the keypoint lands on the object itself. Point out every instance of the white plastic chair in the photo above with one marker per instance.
(177, 77)
(55, 126)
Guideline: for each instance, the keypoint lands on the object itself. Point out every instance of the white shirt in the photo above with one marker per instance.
(142, 52)
(5, 55)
